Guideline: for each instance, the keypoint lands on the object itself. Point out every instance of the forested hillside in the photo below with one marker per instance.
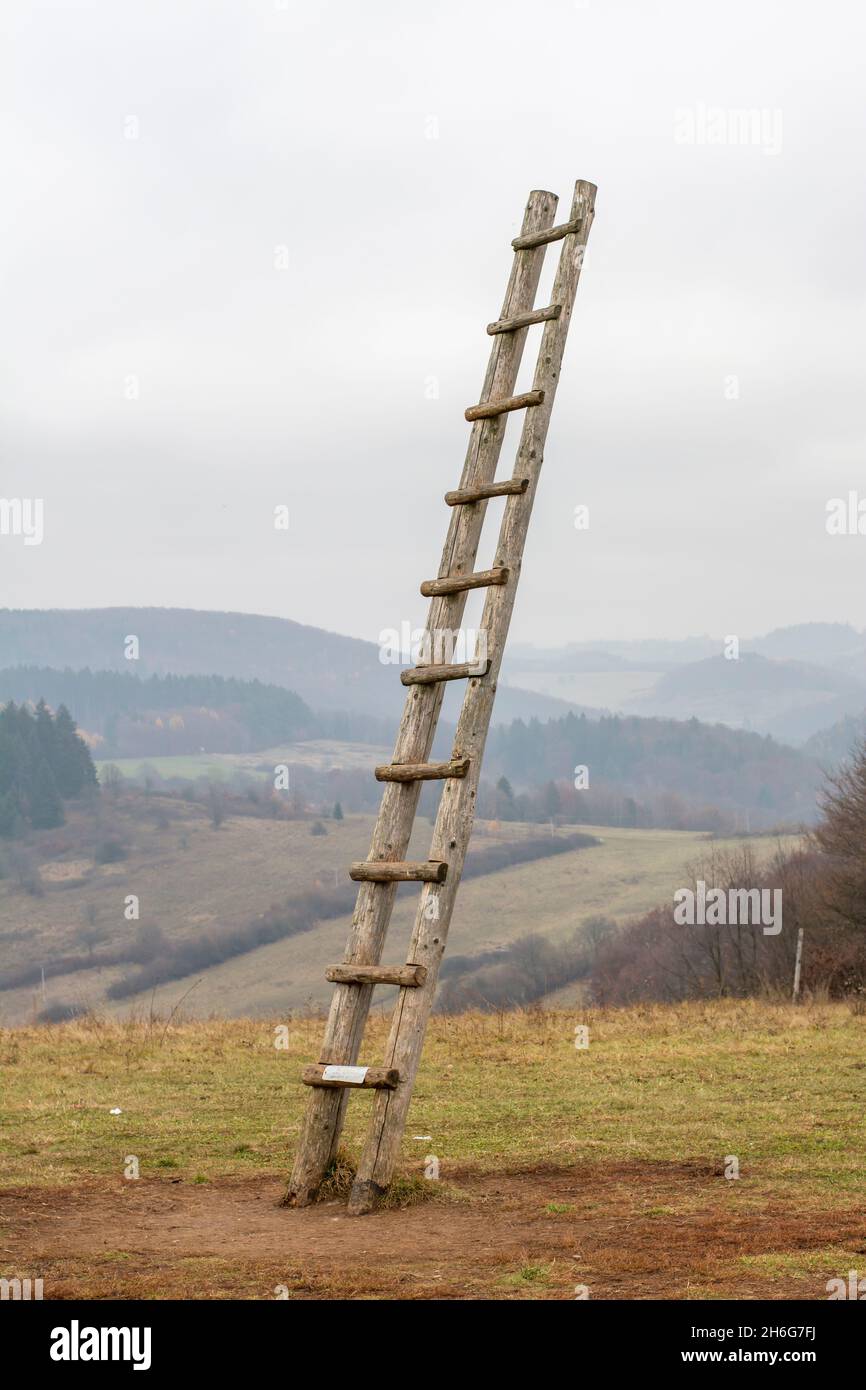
(705, 765)
(161, 715)
(839, 743)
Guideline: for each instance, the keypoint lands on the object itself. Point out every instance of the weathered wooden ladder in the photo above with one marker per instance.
(355, 979)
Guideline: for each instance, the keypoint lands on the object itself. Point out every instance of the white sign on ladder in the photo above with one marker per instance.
(353, 1076)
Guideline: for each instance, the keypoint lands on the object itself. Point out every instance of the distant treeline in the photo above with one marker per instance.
(561, 803)
(153, 716)
(213, 947)
(522, 972)
(821, 888)
(834, 746)
(664, 768)
(736, 934)
(494, 857)
(659, 958)
(642, 773)
(43, 762)
(161, 960)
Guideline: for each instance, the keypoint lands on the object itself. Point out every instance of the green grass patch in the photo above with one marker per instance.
(770, 1084)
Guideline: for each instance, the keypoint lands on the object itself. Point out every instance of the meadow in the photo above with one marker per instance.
(189, 877)
(698, 1151)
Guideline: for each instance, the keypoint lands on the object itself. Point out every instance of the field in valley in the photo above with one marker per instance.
(321, 754)
(607, 1169)
(189, 878)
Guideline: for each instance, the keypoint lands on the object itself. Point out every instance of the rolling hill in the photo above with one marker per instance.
(790, 683)
(789, 699)
(326, 670)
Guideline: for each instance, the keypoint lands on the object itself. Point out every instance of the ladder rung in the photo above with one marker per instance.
(381, 1078)
(398, 871)
(552, 311)
(429, 675)
(526, 243)
(408, 976)
(458, 582)
(505, 403)
(463, 496)
(421, 772)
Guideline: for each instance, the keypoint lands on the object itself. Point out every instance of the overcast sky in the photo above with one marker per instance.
(281, 228)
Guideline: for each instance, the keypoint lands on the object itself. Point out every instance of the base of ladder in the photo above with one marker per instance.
(364, 1197)
(297, 1199)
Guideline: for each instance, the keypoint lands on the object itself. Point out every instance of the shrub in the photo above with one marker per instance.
(109, 851)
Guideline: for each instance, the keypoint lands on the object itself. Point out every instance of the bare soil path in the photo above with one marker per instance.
(636, 1230)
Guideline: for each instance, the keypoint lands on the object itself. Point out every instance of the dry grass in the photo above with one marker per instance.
(779, 1087)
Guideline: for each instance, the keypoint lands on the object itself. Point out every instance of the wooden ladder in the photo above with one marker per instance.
(337, 1072)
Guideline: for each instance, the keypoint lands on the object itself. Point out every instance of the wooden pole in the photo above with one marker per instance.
(797, 963)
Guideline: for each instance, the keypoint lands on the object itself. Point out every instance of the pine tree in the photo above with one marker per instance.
(338, 811)
(17, 760)
(73, 766)
(46, 807)
(10, 817)
(551, 801)
(46, 734)
(504, 800)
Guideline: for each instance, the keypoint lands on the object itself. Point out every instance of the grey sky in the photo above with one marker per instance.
(307, 127)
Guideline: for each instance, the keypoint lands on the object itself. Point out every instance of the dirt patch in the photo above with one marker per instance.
(66, 869)
(629, 1230)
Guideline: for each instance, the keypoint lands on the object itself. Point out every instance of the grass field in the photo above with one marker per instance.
(188, 877)
(604, 1167)
(629, 872)
(321, 754)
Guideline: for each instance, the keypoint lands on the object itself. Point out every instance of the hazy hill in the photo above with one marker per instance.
(327, 670)
(830, 747)
(651, 652)
(820, 644)
(823, 644)
(790, 699)
(790, 682)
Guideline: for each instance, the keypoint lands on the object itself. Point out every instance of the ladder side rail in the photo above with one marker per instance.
(457, 804)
